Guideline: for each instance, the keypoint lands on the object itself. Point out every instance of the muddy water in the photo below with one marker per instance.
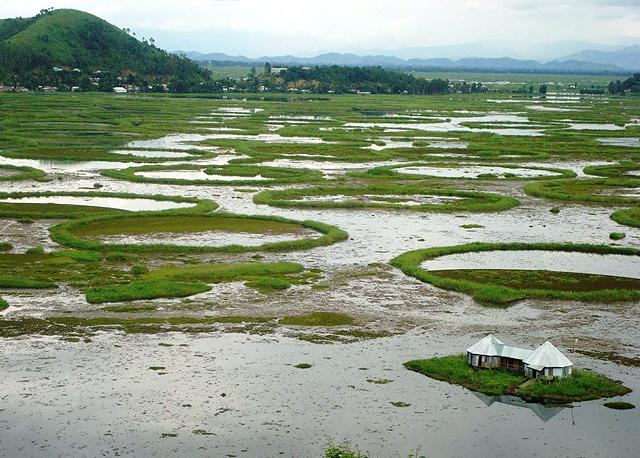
(474, 171)
(92, 168)
(329, 169)
(152, 154)
(245, 392)
(107, 202)
(205, 238)
(594, 126)
(615, 265)
(378, 198)
(457, 124)
(196, 175)
(621, 141)
(87, 399)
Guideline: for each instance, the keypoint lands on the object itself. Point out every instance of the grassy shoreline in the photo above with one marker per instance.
(583, 385)
(471, 201)
(502, 295)
(70, 211)
(64, 234)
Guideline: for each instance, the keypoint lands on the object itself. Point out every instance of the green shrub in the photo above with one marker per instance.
(269, 283)
(35, 250)
(139, 269)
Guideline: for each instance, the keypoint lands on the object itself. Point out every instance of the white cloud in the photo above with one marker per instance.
(285, 26)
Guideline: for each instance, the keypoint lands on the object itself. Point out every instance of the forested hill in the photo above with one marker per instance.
(68, 39)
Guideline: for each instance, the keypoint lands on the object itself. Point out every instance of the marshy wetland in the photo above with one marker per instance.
(168, 265)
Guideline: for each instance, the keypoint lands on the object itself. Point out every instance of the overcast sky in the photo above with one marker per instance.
(259, 27)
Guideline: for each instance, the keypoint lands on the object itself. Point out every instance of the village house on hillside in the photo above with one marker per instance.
(544, 362)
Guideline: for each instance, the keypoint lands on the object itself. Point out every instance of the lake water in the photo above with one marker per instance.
(557, 261)
(106, 202)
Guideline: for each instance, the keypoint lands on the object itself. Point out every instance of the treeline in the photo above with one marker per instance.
(336, 79)
(629, 85)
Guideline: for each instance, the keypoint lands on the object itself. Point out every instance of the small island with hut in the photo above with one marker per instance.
(542, 375)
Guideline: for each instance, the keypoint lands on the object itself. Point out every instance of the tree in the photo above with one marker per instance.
(267, 68)
(542, 89)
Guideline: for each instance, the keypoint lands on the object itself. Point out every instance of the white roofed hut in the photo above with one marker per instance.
(492, 353)
(547, 362)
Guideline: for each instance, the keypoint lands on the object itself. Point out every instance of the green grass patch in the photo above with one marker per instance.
(400, 404)
(619, 405)
(343, 451)
(581, 386)
(613, 170)
(318, 319)
(72, 233)
(389, 196)
(245, 174)
(216, 273)
(269, 284)
(455, 369)
(5, 246)
(617, 235)
(16, 173)
(130, 308)
(138, 290)
(79, 255)
(628, 217)
(3, 304)
(35, 250)
(605, 191)
(25, 210)
(12, 282)
(391, 171)
(303, 366)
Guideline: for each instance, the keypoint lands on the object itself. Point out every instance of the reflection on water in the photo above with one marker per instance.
(475, 171)
(196, 175)
(106, 202)
(621, 141)
(457, 124)
(205, 238)
(544, 413)
(151, 153)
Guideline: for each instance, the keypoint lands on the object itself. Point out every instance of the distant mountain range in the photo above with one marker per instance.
(621, 61)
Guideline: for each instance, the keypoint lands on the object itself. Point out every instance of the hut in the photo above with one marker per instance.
(548, 362)
(490, 352)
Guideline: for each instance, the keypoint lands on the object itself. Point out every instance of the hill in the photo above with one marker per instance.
(627, 58)
(70, 39)
(501, 64)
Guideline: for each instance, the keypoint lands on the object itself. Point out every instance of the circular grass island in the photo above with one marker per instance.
(623, 169)
(391, 196)
(582, 385)
(465, 171)
(500, 287)
(233, 174)
(19, 173)
(187, 232)
(63, 205)
(608, 191)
